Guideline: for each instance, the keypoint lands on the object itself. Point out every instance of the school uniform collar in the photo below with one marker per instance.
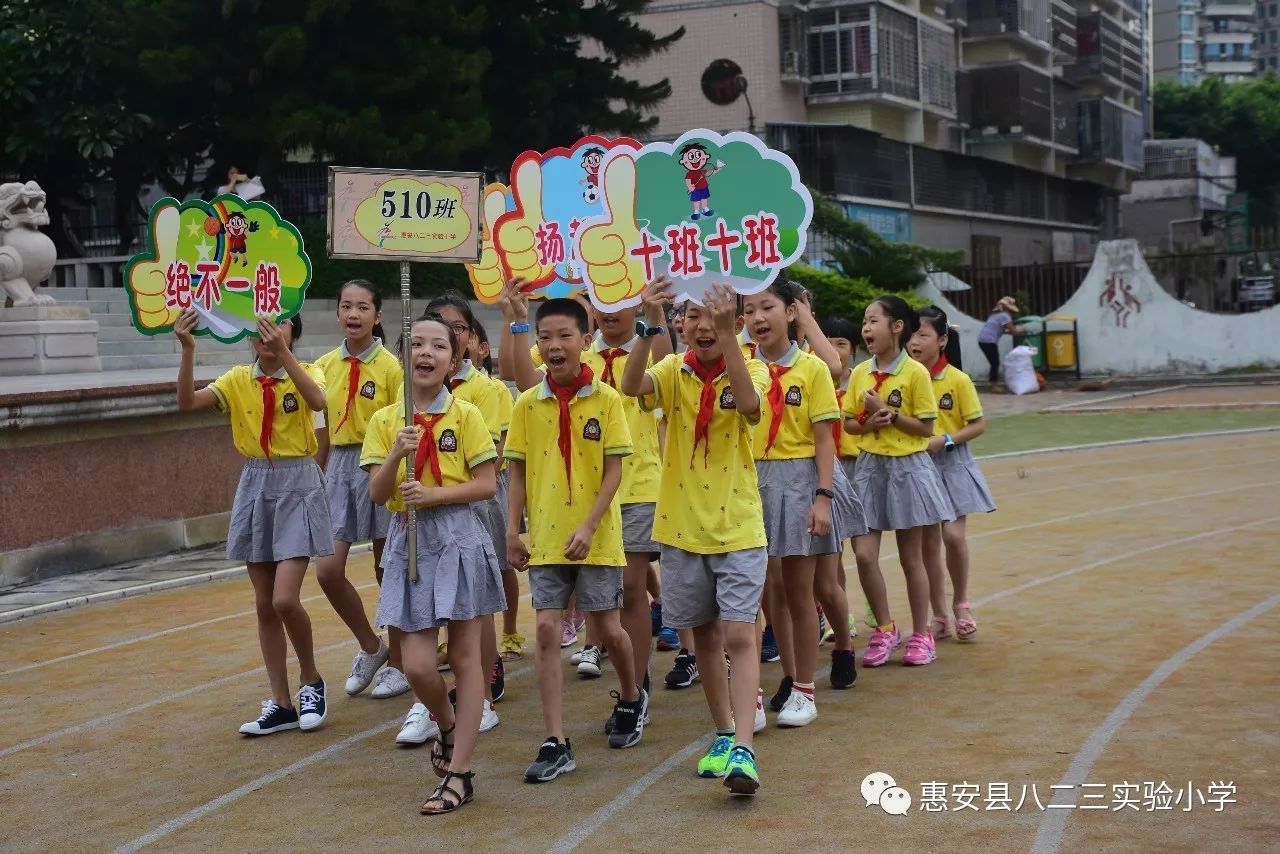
(788, 358)
(598, 345)
(942, 373)
(366, 354)
(545, 392)
(258, 372)
(466, 372)
(847, 382)
(443, 400)
(895, 368)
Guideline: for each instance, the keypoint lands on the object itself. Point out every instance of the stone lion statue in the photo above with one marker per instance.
(26, 254)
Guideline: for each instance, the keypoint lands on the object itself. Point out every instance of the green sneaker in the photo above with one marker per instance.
(716, 761)
(741, 777)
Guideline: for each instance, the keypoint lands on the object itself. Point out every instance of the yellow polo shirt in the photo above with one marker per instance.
(711, 504)
(808, 399)
(640, 470)
(908, 390)
(381, 384)
(471, 384)
(556, 508)
(958, 402)
(462, 443)
(506, 403)
(293, 432)
(847, 443)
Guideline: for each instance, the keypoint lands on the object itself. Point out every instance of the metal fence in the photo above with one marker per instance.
(1038, 288)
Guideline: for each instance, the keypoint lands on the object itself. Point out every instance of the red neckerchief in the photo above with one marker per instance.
(609, 355)
(427, 448)
(268, 414)
(879, 377)
(353, 383)
(706, 405)
(938, 367)
(775, 404)
(565, 393)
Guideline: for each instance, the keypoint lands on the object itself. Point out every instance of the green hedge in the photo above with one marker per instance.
(328, 274)
(834, 295)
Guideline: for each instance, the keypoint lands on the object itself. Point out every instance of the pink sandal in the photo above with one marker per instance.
(966, 627)
(940, 627)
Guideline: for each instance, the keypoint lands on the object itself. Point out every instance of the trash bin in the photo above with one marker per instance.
(1032, 334)
(1061, 335)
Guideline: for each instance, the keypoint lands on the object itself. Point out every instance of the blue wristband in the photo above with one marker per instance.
(518, 328)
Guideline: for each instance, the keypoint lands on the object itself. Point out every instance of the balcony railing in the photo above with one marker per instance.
(1027, 18)
(1107, 50)
(1108, 132)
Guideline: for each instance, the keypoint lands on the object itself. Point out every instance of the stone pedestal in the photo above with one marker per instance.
(47, 339)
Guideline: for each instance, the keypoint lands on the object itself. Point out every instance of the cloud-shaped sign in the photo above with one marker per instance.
(232, 261)
(708, 208)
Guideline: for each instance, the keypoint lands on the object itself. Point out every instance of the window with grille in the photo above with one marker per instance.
(839, 47)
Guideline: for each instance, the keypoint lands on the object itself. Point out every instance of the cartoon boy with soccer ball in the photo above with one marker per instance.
(694, 158)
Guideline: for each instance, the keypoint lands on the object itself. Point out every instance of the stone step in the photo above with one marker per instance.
(139, 345)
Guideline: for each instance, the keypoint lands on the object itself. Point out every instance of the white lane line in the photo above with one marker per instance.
(581, 830)
(167, 698)
(1054, 821)
(178, 822)
(1120, 443)
(1120, 396)
(164, 632)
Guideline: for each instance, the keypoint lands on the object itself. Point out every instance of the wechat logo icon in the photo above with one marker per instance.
(881, 789)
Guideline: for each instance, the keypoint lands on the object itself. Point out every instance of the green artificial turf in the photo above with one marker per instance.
(1031, 430)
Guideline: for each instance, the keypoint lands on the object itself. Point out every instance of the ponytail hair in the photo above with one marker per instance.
(937, 318)
(898, 309)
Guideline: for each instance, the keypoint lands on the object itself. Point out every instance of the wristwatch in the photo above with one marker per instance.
(644, 330)
(826, 492)
(518, 328)
(949, 443)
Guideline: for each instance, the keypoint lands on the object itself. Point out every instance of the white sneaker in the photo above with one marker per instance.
(390, 683)
(761, 721)
(799, 710)
(419, 727)
(365, 666)
(576, 658)
(589, 662)
(488, 718)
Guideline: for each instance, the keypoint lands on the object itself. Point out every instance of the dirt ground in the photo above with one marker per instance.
(1129, 615)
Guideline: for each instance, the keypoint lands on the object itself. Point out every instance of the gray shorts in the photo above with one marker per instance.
(697, 588)
(598, 588)
(637, 528)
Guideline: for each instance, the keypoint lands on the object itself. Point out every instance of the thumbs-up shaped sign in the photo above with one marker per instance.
(148, 280)
(486, 274)
(615, 275)
(516, 232)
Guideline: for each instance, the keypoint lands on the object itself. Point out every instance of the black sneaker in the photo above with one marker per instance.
(629, 720)
(311, 705)
(612, 723)
(553, 760)
(769, 647)
(498, 680)
(843, 670)
(273, 719)
(784, 691)
(684, 672)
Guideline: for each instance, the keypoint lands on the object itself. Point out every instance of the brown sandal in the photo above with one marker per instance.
(442, 752)
(448, 798)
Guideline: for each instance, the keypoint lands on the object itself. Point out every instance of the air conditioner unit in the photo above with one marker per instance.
(791, 63)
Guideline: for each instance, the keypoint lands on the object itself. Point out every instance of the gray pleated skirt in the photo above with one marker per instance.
(493, 515)
(898, 493)
(458, 574)
(847, 464)
(963, 482)
(354, 515)
(786, 495)
(280, 512)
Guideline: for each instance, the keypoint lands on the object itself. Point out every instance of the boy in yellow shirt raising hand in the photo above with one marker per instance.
(566, 443)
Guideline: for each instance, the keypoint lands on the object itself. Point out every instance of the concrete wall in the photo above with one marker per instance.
(1129, 325)
(1020, 243)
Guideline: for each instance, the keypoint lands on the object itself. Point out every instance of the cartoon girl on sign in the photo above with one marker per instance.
(694, 158)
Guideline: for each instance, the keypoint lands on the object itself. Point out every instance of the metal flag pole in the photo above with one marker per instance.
(406, 331)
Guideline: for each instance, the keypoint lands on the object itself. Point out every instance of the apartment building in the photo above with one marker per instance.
(992, 126)
(1231, 39)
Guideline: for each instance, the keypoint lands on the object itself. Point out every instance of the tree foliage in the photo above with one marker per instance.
(1241, 119)
(176, 91)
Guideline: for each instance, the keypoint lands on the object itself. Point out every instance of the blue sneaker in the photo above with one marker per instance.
(769, 646)
(668, 639)
(741, 776)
